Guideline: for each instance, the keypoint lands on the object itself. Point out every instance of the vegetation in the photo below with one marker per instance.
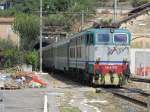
(27, 26)
(69, 109)
(32, 6)
(11, 56)
(27, 23)
(31, 58)
(7, 13)
(6, 44)
(58, 20)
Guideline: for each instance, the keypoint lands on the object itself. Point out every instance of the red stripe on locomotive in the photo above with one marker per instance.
(105, 68)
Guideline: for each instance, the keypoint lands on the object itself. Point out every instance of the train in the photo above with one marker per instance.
(98, 56)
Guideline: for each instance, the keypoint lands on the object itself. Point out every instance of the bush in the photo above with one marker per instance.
(7, 13)
(32, 58)
(6, 44)
(12, 56)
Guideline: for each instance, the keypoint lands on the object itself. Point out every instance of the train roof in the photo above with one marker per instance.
(55, 44)
(94, 30)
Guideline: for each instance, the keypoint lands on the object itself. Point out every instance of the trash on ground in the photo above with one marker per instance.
(14, 78)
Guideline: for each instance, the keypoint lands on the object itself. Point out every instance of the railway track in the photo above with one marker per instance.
(136, 96)
(140, 80)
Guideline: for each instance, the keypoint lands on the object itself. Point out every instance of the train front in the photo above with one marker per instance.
(111, 56)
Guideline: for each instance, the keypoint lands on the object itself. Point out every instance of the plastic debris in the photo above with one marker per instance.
(18, 79)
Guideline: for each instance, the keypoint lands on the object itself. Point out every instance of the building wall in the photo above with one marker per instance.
(140, 30)
(140, 45)
(140, 62)
(6, 30)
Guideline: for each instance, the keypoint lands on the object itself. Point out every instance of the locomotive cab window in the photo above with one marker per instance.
(90, 38)
(103, 38)
(120, 38)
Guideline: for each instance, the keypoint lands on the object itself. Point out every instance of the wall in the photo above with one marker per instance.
(140, 30)
(140, 62)
(6, 31)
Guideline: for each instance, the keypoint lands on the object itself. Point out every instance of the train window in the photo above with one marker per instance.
(78, 52)
(120, 38)
(89, 38)
(82, 39)
(72, 52)
(103, 38)
(78, 41)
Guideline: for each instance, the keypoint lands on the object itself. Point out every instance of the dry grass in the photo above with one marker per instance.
(69, 109)
(92, 95)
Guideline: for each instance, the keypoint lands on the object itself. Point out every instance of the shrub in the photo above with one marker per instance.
(31, 57)
(7, 13)
(12, 57)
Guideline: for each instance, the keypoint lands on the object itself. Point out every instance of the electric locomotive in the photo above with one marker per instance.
(95, 56)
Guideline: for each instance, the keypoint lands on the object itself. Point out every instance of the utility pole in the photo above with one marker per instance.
(82, 19)
(41, 26)
(115, 12)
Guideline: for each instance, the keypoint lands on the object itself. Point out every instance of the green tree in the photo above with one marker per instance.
(26, 6)
(27, 26)
(58, 20)
(32, 6)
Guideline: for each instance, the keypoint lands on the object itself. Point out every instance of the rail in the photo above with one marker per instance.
(137, 79)
(133, 95)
